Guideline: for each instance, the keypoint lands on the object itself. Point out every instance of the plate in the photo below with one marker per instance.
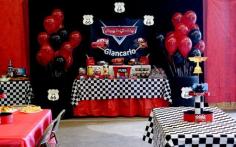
(8, 109)
(28, 112)
(4, 79)
(31, 109)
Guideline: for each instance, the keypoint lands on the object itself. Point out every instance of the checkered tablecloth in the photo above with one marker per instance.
(18, 92)
(95, 89)
(166, 128)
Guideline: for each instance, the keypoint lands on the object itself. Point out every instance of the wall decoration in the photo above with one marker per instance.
(88, 19)
(119, 7)
(148, 20)
(53, 94)
(73, 11)
(121, 38)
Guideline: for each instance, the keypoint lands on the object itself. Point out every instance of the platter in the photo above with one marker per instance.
(8, 109)
(30, 109)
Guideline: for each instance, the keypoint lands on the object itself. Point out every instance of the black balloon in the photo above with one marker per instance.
(178, 59)
(55, 41)
(195, 52)
(59, 61)
(195, 35)
(63, 34)
(58, 67)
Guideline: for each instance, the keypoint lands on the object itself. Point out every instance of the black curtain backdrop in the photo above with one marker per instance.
(102, 9)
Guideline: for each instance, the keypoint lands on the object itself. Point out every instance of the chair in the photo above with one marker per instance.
(46, 137)
(56, 124)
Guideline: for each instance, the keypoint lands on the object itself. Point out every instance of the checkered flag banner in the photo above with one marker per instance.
(18, 92)
(96, 89)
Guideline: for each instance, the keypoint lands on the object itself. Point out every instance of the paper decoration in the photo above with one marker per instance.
(88, 19)
(185, 92)
(53, 94)
(148, 20)
(119, 7)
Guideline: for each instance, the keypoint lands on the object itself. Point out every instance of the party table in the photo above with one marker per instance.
(26, 129)
(18, 92)
(119, 97)
(166, 128)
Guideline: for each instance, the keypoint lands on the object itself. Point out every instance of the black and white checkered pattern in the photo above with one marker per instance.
(148, 136)
(18, 92)
(199, 104)
(95, 89)
(170, 130)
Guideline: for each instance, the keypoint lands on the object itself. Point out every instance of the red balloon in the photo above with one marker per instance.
(185, 46)
(67, 55)
(170, 34)
(47, 48)
(181, 29)
(75, 38)
(67, 46)
(171, 45)
(200, 45)
(45, 55)
(189, 18)
(193, 27)
(50, 24)
(58, 15)
(43, 38)
(69, 61)
(176, 18)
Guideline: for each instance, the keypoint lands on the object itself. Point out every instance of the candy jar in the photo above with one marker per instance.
(82, 73)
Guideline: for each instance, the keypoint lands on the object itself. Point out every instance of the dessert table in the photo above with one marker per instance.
(166, 128)
(119, 97)
(19, 92)
(26, 129)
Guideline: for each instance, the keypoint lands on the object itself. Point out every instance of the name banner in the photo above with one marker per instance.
(118, 38)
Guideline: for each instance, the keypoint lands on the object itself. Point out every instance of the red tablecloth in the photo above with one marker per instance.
(26, 129)
(119, 107)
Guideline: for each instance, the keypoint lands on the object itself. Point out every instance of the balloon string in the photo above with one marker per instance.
(138, 48)
(173, 64)
(101, 48)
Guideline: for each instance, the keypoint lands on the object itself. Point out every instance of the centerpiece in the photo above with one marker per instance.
(185, 41)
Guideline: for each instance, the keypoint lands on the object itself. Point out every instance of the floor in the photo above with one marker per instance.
(105, 132)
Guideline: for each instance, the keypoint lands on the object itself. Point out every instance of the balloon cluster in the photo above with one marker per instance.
(56, 43)
(186, 38)
(184, 41)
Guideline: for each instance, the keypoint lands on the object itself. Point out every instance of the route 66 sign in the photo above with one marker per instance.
(185, 92)
(88, 19)
(119, 7)
(53, 94)
(148, 20)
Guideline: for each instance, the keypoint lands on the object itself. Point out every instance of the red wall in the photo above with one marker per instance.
(14, 34)
(220, 36)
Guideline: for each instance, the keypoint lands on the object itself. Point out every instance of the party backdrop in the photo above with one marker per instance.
(44, 77)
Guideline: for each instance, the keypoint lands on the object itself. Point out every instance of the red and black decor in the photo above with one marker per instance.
(63, 45)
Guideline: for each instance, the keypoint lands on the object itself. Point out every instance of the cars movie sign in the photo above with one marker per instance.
(115, 38)
(119, 33)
